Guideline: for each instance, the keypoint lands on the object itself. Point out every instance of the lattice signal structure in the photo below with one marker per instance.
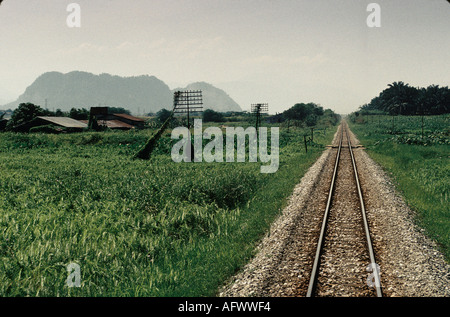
(187, 102)
(258, 109)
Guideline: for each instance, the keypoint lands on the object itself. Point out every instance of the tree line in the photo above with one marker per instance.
(402, 99)
(304, 113)
(26, 112)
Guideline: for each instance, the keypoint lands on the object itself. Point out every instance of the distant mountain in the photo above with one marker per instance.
(141, 94)
(213, 98)
(80, 89)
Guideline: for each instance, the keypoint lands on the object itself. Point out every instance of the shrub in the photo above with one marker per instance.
(46, 129)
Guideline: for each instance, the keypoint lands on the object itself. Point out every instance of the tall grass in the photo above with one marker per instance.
(420, 169)
(136, 228)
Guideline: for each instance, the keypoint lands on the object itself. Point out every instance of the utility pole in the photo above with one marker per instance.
(187, 102)
(258, 109)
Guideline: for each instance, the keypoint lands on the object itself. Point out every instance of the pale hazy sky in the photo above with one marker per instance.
(279, 52)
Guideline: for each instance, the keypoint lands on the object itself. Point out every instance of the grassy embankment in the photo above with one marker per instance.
(419, 166)
(136, 228)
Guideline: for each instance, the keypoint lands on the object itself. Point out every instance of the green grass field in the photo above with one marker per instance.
(419, 165)
(135, 228)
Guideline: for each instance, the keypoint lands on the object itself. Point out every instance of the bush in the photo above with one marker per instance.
(46, 129)
(163, 114)
(23, 114)
(212, 116)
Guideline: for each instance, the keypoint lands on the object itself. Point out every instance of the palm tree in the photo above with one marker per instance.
(437, 99)
(427, 99)
(399, 98)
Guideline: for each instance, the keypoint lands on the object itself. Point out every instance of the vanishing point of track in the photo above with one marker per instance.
(344, 246)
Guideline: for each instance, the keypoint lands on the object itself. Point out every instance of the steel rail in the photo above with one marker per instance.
(366, 224)
(315, 269)
(314, 273)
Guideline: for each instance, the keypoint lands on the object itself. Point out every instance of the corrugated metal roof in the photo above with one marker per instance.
(115, 124)
(112, 124)
(127, 116)
(65, 122)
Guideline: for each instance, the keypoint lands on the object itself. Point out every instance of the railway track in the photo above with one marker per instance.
(344, 262)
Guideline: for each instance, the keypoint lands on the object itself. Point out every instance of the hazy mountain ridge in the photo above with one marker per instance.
(139, 94)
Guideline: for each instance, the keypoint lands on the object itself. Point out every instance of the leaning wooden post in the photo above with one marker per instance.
(146, 151)
(393, 126)
(422, 126)
(306, 144)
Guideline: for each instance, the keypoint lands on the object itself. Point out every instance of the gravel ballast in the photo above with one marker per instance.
(410, 263)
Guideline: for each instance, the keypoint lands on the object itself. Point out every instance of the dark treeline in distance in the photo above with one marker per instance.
(26, 112)
(309, 114)
(402, 99)
(301, 114)
(305, 114)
